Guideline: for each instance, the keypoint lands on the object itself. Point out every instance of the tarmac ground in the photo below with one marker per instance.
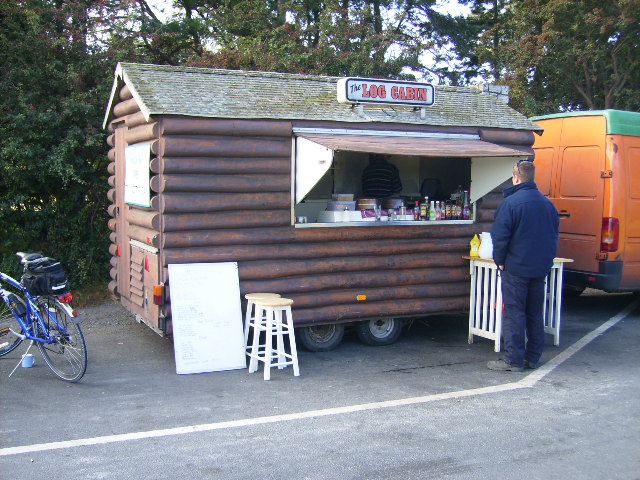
(425, 407)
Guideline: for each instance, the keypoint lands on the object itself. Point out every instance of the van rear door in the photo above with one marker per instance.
(579, 190)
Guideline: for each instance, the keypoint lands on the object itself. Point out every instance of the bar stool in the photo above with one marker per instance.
(249, 314)
(272, 309)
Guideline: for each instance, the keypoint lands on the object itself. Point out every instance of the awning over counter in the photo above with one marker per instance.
(455, 146)
(491, 164)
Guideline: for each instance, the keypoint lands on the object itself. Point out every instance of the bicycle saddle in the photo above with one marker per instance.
(27, 257)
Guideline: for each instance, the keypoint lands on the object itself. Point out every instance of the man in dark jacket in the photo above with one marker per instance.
(525, 242)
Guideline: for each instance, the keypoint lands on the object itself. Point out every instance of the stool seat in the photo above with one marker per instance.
(257, 296)
(249, 315)
(272, 321)
(274, 302)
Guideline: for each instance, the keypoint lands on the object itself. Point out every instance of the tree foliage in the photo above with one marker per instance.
(52, 151)
(556, 54)
(58, 58)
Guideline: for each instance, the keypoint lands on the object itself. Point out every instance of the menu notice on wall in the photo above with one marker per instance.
(207, 317)
(136, 176)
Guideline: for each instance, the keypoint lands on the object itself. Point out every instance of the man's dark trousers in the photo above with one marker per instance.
(523, 313)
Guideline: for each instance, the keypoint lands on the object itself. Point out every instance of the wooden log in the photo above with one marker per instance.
(355, 282)
(221, 183)
(267, 269)
(126, 107)
(187, 222)
(111, 194)
(288, 234)
(485, 216)
(111, 154)
(113, 287)
(111, 168)
(113, 262)
(221, 165)
(111, 140)
(125, 93)
(113, 238)
(143, 218)
(317, 283)
(142, 234)
(201, 202)
(196, 146)
(379, 294)
(113, 273)
(142, 133)
(507, 138)
(111, 224)
(309, 251)
(112, 180)
(136, 119)
(397, 308)
(111, 210)
(210, 126)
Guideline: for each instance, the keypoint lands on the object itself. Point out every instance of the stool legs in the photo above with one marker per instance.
(292, 341)
(269, 319)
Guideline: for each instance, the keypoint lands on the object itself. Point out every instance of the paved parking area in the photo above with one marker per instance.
(425, 407)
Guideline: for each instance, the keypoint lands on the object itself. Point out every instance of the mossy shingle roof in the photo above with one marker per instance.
(216, 93)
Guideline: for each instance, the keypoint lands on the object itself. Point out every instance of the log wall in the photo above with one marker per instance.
(221, 191)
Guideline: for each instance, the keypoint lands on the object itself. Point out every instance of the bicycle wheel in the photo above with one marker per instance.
(8, 341)
(67, 356)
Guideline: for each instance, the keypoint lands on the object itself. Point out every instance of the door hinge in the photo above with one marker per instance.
(606, 174)
(602, 256)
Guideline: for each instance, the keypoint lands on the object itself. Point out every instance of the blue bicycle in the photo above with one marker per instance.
(46, 320)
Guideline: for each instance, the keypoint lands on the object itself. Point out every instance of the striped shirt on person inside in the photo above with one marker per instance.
(380, 179)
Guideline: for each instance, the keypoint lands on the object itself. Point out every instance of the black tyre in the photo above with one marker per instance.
(67, 356)
(569, 291)
(8, 341)
(379, 331)
(321, 338)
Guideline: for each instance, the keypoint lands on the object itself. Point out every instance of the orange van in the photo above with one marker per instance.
(588, 164)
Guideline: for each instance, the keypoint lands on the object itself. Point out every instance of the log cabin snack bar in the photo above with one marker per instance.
(265, 169)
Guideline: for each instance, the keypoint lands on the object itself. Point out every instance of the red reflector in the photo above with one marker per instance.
(146, 263)
(158, 294)
(75, 313)
(610, 234)
(118, 251)
(66, 298)
(592, 279)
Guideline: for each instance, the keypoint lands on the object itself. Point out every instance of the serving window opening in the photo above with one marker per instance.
(328, 188)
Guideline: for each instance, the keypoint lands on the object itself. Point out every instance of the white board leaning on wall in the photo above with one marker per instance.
(207, 317)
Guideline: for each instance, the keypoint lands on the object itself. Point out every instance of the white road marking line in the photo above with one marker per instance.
(527, 382)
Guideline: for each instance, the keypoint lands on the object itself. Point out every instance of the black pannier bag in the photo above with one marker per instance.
(44, 276)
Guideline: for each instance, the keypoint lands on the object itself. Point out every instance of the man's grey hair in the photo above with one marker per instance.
(526, 170)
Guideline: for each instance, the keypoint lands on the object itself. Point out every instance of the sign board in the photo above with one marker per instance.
(207, 317)
(363, 90)
(136, 177)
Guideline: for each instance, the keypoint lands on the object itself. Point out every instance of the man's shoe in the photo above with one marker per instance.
(530, 365)
(502, 366)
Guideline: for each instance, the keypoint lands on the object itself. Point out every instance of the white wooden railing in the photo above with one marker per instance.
(485, 300)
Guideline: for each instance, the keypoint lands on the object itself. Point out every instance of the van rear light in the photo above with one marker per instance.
(610, 234)
(158, 294)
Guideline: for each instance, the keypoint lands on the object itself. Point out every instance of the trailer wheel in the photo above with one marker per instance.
(379, 331)
(321, 338)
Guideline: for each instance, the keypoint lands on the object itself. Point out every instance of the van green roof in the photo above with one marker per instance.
(619, 122)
